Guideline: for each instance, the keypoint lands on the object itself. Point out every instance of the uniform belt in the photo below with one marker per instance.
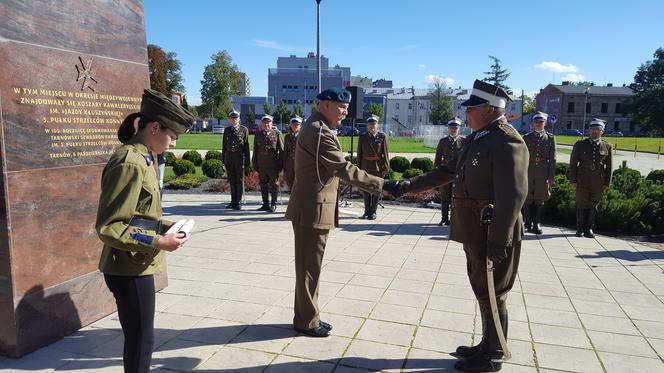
(371, 158)
(148, 224)
(469, 203)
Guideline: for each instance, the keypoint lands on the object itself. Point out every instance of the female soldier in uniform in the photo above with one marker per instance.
(129, 221)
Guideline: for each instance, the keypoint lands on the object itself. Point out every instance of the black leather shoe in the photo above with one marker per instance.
(579, 233)
(467, 351)
(237, 207)
(325, 325)
(230, 206)
(536, 229)
(318, 332)
(589, 234)
(273, 208)
(263, 208)
(447, 222)
(481, 362)
(372, 217)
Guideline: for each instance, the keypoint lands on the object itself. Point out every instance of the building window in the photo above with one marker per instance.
(588, 107)
(420, 119)
(396, 106)
(410, 119)
(283, 86)
(605, 107)
(616, 126)
(618, 108)
(569, 124)
(410, 106)
(570, 107)
(513, 107)
(295, 86)
(631, 127)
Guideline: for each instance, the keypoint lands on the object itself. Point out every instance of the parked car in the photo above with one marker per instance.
(407, 132)
(254, 129)
(571, 132)
(348, 131)
(614, 134)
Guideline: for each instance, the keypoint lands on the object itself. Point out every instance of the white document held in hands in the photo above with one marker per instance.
(182, 226)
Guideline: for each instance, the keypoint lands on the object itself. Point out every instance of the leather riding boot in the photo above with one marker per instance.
(468, 351)
(537, 217)
(590, 223)
(445, 212)
(580, 222)
(527, 220)
(374, 204)
(490, 355)
(266, 200)
(367, 205)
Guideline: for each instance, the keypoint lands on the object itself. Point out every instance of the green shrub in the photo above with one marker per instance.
(412, 172)
(626, 180)
(187, 181)
(391, 175)
(212, 168)
(183, 166)
(656, 176)
(562, 169)
(170, 158)
(351, 160)
(399, 164)
(213, 154)
(423, 163)
(193, 156)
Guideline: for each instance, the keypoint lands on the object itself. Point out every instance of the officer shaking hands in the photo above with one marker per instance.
(590, 171)
(491, 174)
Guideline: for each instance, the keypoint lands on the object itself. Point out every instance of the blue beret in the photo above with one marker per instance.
(335, 94)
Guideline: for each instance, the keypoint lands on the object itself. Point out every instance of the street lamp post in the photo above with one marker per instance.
(318, 42)
(585, 110)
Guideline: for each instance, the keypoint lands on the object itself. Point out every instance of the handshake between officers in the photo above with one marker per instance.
(313, 207)
(490, 187)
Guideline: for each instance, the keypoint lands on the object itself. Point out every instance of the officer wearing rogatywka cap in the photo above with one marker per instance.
(541, 170)
(290, 141)
(590, 171)
(235, 155)
(447, 153)
(373, 157)
(268, 161)
(313, 208)
(492, 170)
(129, 220)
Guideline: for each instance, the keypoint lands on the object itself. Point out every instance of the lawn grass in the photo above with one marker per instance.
(643, 144)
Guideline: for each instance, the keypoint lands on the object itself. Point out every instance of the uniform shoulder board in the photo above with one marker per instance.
(507, 128)
(550, 134)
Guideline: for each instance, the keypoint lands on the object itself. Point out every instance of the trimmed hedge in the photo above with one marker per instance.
(391, 175)
(170, 158)
(656, 176)
(187, 181)
(193, 156)
(183, 166)
(412, 172)
(213, 154)
(212, 168)
(399, 164)
(423, 163)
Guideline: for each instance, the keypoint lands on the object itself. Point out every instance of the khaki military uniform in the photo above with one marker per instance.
(268, 161)
(541, 171)
(447, 154)
(313, 208)
(129, 214)
(591, 167)
(492, 169)
(290, 141)
(235, 155)
(373, 157)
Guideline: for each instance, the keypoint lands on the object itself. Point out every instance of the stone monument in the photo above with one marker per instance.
(70, 71)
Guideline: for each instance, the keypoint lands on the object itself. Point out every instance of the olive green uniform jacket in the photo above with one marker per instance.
(447, 154)
(235, 147)
(372, 153)
(319, 164)
(542, 165)
(590, 167)
(129, 189)
(268, 152)
(290, 142)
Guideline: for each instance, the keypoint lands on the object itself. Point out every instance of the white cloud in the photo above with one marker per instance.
(556, 67)
(269, 44)
(432, 79)
(574, 77)
(422, 66)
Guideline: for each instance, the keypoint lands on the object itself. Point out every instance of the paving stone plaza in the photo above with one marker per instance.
(395, 290)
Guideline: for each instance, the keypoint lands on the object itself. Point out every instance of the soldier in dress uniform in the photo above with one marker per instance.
(374, 158)
(313, 207)
(290, 140)
(447, 154)
(492, 170)
(590, 171)
(541, 170)
(235, 156)
(268, 161)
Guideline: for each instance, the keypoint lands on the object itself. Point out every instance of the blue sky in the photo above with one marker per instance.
(411, 42)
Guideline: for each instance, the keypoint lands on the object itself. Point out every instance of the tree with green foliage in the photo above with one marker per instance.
(251, 117)
(314, 107)
(282, 114)
(298, 110)
(529, 104)
(648, 102)
(266, 108)
(374, 109)
(498, 75)
(221, 80)
(165, 71)
(442, 106)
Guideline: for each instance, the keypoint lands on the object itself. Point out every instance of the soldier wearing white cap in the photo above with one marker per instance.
(591, 166)
(268, 161)
(373, 157)
(447, 153)
(290, 140)
(235, 155)
(541, 170)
